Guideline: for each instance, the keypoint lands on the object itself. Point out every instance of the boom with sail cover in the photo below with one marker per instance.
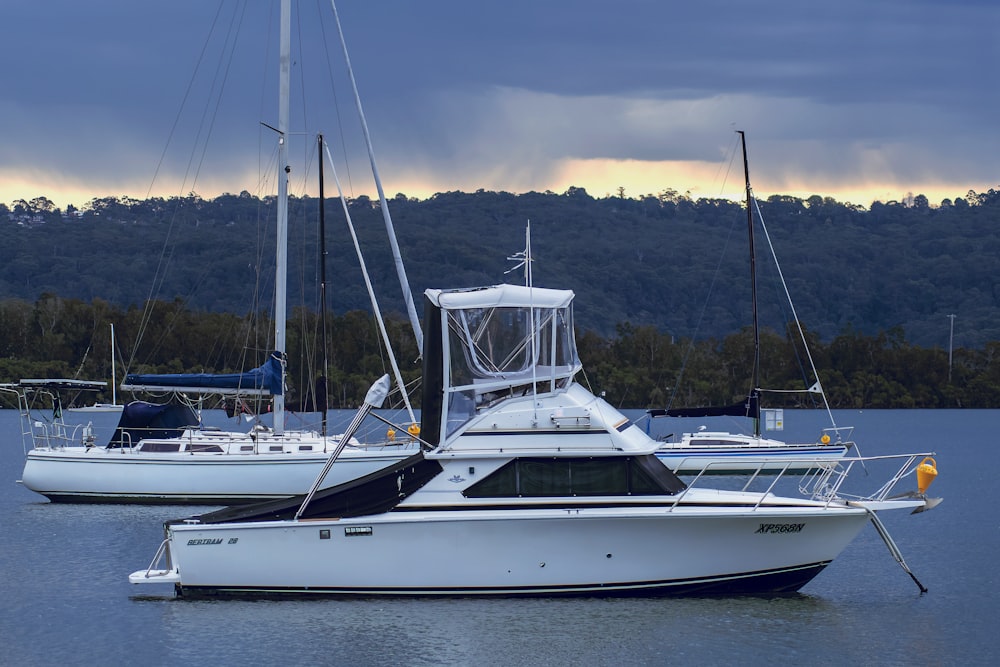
(266, 380)
(749, 408)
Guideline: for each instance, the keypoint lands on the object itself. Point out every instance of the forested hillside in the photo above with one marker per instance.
(676, 264)
(636, 367)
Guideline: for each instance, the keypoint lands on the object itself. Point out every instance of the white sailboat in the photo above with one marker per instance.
(534, 487)
(724, 452)
(114, 405)
(161, 453)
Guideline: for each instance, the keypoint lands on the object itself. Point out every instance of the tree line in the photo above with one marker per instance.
(667, 260)
(638, 366)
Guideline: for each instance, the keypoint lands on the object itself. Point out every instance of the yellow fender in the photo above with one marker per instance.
(926, 473)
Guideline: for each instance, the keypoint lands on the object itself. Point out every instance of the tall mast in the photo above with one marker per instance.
(281, 231)
(319, 399)
(755, 389)
(114, 379)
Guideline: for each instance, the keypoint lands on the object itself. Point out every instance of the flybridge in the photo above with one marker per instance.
(486, 344)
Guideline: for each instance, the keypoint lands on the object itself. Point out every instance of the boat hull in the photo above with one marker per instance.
(97, 475)
(747, 460)
(578, 551)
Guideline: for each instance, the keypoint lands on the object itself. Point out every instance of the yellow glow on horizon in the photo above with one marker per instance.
(708, 180)
(600, 178)
(64, 190)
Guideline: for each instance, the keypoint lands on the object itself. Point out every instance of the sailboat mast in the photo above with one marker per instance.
(755, 389)
(281, 231)
(321, 387)
(114, 378)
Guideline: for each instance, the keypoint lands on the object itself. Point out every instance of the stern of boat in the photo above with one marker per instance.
(161, 569)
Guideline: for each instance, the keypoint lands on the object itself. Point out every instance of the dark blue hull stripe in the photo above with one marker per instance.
(765, 582)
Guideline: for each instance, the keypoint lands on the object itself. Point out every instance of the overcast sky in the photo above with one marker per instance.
(855, 99)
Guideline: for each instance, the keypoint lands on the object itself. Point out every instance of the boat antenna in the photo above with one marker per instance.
(320, 397)
(523, 258)
(755, 383)
(397, 258)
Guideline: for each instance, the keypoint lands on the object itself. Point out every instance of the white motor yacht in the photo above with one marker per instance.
(534, 486)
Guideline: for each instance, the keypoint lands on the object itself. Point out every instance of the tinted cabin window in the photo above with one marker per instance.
(539, 478)
(501, 484)
(642, 482)
(154, 446)
(544, 478)
(591, 478)
(204, 447)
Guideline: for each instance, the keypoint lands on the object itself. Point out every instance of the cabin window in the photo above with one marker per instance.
(204, 448)
(502, 483)
(160, 447)
(595, 476)
(461, 408)
(600, 477)
(544, 478)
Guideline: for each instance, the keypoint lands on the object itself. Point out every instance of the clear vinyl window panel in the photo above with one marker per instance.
(498, 352)
(510, 345)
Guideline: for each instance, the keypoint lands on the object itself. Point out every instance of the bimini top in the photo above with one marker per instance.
(500, 296)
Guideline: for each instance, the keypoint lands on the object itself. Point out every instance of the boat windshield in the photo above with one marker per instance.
(498, 351)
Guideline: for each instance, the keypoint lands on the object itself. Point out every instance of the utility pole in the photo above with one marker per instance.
(951, 341)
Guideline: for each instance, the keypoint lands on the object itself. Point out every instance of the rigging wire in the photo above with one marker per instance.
(795, 316)
(336, 100)
(203, 135)
(711, 287)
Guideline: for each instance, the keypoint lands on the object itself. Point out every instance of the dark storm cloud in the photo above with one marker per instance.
(456, 91)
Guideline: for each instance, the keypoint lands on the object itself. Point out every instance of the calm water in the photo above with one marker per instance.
(66, 599)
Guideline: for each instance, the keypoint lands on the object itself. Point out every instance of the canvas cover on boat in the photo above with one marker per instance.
(374, 493)
(500, 296)
(267, 379)
(151, 420)
(748, 408)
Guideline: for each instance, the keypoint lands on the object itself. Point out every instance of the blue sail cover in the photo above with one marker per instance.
(266, 379)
